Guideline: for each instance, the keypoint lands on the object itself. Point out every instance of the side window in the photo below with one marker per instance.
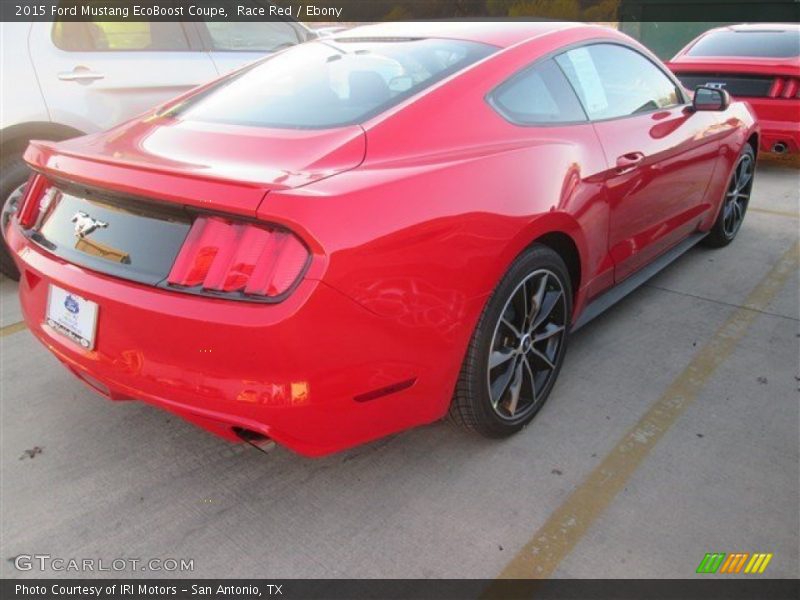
(260, 36)
(614, 81)
(110, 36)
(538, 95)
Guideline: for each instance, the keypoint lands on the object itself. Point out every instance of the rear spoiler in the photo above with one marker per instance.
(144, 181)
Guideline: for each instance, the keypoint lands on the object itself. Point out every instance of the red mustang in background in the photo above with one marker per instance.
(372, 231)
(757, 63)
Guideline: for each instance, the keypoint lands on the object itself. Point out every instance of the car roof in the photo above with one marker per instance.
(776, 27)
(496, 33)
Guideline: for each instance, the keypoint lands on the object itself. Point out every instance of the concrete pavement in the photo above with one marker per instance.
(125, 480)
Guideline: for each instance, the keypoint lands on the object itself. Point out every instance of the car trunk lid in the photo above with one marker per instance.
(129, 238)
(773, 78)
(123, 202)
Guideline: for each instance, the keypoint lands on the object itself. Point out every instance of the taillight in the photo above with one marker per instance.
(776, 88)
(32, 205)
(223, 256)
(788, 87)
(791, 88)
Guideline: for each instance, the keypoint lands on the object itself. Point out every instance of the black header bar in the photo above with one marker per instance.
(711, 588)
(351, 11)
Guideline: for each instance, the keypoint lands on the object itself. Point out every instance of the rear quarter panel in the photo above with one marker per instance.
(448, 195)
(424, 244)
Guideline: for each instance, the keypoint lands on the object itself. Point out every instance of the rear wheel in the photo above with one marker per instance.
(13, 178)
(737, 197)
(517, 348)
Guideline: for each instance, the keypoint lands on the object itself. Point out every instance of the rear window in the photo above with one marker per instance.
(331, 83)
(772, 44)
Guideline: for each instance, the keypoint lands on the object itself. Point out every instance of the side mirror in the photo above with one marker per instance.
(708, 98)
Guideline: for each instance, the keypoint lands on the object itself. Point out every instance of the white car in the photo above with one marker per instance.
(65, 79)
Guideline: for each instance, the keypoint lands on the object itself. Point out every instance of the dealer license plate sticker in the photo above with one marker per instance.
(72, 316)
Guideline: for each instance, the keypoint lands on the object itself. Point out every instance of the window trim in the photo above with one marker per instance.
(686, 101)
(191, 42)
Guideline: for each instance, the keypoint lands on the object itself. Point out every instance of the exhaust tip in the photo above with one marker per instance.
(780, 147)
(255, 439)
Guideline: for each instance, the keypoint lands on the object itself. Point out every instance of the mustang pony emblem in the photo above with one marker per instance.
(84, 224)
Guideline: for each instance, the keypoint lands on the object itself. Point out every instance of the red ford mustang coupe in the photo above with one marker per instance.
(759, 63)
(372, 231)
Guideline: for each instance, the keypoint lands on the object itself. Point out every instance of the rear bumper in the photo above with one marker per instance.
(291, 371)
(779, 120)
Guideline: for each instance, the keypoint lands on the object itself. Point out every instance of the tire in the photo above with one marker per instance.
(521, 309)
(13, 176)
(734, 204)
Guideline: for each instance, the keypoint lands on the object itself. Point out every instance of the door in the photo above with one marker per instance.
(94, 75)
(660, 154)
(233, 44)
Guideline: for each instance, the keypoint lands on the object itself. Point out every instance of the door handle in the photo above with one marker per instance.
(628, 162)
(80, 74)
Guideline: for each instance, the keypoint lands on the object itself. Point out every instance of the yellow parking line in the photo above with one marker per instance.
(777, 213)
(13, 328)
(565, 527)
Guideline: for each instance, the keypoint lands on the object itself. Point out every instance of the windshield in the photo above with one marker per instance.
(760, 44)
(330, 83)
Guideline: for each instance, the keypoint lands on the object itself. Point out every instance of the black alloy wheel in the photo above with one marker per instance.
(517, 348)
(737, 198)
